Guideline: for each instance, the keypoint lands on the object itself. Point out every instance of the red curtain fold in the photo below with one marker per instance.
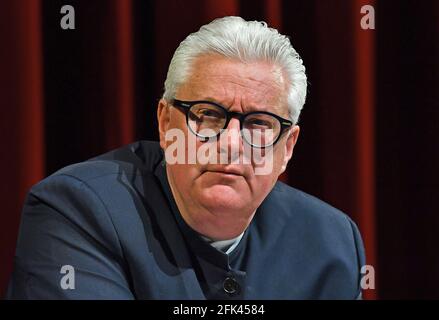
(273, 13)
(364, 102)
(216, 9)
(344, 92)
(117, 66)
(124, 108)
(22, 123)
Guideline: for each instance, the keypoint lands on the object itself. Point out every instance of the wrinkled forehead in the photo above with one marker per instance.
(251, 86)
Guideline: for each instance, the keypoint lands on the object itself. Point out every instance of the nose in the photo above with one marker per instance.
(230, 142)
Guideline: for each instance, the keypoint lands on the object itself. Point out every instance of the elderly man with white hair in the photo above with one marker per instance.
(200, 214)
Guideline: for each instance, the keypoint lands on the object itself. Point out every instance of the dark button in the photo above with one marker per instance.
(230, 286)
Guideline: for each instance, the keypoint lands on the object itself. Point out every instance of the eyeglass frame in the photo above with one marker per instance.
(187, 105)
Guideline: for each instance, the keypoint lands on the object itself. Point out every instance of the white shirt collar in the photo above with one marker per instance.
(226, 246)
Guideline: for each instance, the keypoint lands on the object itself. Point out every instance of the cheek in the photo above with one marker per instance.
(269, 166)
(280, 153)
(262, 184)
(177, 122)
(279, 162)
(183, 176)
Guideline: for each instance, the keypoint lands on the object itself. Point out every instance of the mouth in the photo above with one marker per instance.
(226, 171)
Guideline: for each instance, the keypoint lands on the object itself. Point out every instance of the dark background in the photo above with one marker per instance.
(369, 143)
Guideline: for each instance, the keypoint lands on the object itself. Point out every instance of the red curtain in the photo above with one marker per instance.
(122, 78)
(364, 102)
(67, 95)
(22, 116)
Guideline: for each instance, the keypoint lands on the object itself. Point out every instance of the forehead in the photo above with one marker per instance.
(255, 85)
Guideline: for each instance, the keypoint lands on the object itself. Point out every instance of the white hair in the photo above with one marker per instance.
(246, 41)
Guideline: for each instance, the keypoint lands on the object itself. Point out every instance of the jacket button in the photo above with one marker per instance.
(230, 286)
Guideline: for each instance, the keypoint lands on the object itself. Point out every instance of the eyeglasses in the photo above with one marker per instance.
(206, 119)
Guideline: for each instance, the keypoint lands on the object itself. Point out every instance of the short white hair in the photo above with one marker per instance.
(247, 41)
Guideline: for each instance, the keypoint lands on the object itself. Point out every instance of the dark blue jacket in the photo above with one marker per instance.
(114, 221)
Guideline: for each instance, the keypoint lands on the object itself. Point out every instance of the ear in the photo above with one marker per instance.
(293, 135)
(163, 118)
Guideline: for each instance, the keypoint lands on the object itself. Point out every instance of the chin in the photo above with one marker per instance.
(222, 196)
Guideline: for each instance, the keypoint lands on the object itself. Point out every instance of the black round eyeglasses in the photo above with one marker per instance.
(207, 119)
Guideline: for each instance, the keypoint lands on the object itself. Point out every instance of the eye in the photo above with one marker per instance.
(259, 123)
(209, 113)
(193, 116)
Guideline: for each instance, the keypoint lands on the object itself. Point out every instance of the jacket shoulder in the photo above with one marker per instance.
(310, 232)
(137, 158)
(298, 202)
(291, 211)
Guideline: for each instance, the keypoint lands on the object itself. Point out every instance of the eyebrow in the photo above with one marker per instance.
(249, 108)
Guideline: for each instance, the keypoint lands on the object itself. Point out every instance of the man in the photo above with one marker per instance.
(146, 222)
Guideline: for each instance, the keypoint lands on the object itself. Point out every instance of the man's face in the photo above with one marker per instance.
(214, 201)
